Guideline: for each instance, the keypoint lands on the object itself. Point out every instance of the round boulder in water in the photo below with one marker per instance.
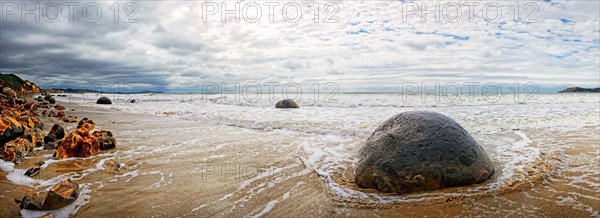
(103, 100)
(286, 103)
(420, 151)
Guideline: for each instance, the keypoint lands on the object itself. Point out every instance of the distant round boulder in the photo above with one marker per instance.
(103, 100)
(286, 103)
(420, 151)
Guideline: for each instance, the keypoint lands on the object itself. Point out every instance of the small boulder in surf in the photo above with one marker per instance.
(286, 103)
(103, 100)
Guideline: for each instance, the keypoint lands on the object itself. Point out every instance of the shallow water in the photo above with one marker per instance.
(213, 155)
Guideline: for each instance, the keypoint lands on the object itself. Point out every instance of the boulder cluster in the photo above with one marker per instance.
(21, 130)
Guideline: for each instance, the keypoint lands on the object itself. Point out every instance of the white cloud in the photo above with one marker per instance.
(370, 46)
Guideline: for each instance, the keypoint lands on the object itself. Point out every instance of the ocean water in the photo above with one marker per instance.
(545, 138)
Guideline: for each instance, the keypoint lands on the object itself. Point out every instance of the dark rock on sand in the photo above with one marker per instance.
(33, 171)
(58, 131)
(420, 151)
(50, 138)
(286, 103)
(50, 146)
(85, 120)
(35, 136)
(61, 114)
(103, 100)
(70, 119)
(47, 97)
(52, 113)
(52, 100)
(34, 201)
(106, 139)
(61, 195)
(132, 101)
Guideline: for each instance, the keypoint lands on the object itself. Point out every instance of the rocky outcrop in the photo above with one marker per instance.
(35, 136)
(420, 151)
(17, 84)
(9, 92)
(79, 143)
(61, 195)
(90, 125)
(10, 129)
(16, 149)
(106, 139)
(286, 103)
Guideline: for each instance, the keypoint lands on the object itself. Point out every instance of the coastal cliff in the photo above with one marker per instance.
(19, 85)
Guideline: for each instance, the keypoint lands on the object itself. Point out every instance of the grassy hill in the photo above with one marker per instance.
(16, 83)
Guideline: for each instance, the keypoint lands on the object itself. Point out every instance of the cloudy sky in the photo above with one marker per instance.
(360, 45)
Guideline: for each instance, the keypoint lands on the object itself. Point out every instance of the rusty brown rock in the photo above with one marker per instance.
(34, 201)
(10, 129)
(79, 143)
(9, 92)
(86, 123)
(61, 114)
(17, 148)
(105, 139)
(35, 136)
(61, 195)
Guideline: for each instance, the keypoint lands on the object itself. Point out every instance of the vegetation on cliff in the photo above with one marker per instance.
(19, 85)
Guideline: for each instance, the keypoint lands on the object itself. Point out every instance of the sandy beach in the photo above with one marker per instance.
(176, 166)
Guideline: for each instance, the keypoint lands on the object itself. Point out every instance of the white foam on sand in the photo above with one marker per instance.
(274, 203)
(328, 155)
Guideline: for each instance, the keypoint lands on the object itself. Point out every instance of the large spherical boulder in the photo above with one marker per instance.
(103, 100)
(420, 151)
(286, 103)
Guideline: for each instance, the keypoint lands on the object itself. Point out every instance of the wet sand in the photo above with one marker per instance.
(217, 170)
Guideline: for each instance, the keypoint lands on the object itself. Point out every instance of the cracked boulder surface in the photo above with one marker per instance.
(420, 151)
